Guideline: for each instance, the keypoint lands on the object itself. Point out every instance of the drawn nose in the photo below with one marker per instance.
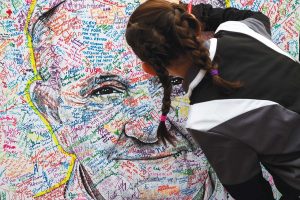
(142, 120)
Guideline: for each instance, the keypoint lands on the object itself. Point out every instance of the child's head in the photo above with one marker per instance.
(161, 34)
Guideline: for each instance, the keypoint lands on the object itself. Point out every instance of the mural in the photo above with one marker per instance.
(78, 117)
(285, 20)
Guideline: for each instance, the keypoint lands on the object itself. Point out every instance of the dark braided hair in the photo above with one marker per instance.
(160, 32)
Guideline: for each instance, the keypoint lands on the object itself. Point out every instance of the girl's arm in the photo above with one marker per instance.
(213, 17)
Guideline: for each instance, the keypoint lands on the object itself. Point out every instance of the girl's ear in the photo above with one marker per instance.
(46, 99)
(148, 69)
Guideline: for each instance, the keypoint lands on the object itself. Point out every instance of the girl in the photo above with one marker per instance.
(244, 91)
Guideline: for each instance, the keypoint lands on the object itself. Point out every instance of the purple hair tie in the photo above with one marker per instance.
(214, 72)
(163, 118)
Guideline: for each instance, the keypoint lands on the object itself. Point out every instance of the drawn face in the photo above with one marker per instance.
(109, 108)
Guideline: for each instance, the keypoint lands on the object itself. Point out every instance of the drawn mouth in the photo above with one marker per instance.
(153, 157)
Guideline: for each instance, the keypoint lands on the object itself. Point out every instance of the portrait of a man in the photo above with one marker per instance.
(79, 116)
(105, 109)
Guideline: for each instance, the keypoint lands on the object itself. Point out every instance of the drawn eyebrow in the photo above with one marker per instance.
(102, 78)
(45, 17)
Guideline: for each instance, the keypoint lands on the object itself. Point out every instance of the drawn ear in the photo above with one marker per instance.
(45, 97)
(148, 69)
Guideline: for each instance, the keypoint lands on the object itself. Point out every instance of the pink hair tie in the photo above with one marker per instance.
(214, 72)
(163, 118)
(189, 8)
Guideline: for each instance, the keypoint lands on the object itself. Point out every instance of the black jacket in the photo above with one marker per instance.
(259, 122)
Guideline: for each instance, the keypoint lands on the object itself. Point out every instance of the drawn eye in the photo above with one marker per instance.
(177, 89)
(105, 90)
(108, 94)
(176, 80)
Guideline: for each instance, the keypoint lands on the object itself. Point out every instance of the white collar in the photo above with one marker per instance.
(202, 72)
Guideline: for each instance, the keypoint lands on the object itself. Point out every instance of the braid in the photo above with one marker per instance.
(162, 131)
(199, 53)
(201, 56)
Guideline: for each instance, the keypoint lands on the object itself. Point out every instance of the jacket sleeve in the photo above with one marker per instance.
(213, 17)
(227, 157)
